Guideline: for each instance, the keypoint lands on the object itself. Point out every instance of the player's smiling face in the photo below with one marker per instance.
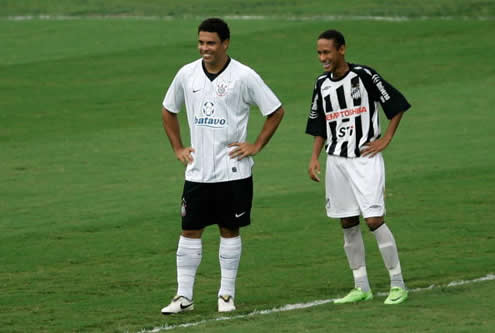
(331, 58)
(211, 48)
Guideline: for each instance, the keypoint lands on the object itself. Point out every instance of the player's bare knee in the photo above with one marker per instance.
(374, 222)
(229, 233)
(192, 233)
(349, 222)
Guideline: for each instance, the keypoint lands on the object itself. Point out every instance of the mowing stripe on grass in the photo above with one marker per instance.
(251, 17)
(290, 307)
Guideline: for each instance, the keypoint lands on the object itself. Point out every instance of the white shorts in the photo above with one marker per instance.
(355, 186)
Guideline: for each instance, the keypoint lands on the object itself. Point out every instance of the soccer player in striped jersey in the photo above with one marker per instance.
(217, 92)
(344, 119)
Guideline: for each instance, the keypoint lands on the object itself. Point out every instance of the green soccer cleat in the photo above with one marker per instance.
(397, 295)
(355, 295)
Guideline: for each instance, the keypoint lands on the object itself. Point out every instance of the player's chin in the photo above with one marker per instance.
(207, 58)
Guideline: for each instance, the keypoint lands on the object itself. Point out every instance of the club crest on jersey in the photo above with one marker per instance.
(207, 119)
(356, 93)
(222, 88)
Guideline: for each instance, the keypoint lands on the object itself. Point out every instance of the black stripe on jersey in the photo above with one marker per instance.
(343, 149)
(333, 129)
(328, 104)
(359, 135)
(341, 98)
(371, 130)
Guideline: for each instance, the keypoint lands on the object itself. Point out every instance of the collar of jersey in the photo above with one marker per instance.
(329, 74)
(213, 76)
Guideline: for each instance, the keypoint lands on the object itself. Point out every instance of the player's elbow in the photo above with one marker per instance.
(278, 114)
(166, 115)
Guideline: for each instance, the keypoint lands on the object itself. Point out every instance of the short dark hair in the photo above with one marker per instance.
(337, 36)
(215, 25)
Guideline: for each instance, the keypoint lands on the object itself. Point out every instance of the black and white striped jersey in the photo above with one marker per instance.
(345, 111)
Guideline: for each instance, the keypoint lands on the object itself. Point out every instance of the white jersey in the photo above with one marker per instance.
(218, 113)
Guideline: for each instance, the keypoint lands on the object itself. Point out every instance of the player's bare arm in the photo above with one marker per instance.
(172, 128)
(245, 149)
(373, 148)
(314, 165)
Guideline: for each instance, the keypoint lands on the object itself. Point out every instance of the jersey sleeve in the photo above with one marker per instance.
(316, 125)
(261, 95)
(391, 99)
(174, 98)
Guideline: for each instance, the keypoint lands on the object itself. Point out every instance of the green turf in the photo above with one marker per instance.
(430, 311)
(184, 8)
(90, 188)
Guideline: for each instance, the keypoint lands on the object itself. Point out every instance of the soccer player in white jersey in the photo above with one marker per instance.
(217, 92)
(344, 120)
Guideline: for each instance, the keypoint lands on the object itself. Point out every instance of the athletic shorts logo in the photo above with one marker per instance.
(239, 215)
(183, 211)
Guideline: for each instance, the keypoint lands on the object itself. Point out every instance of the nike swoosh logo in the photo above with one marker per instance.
(225, 299)
(185, 306)
(195, 91)
(239, 215)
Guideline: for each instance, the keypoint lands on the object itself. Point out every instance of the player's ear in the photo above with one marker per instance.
(342, 50)
(226, 44)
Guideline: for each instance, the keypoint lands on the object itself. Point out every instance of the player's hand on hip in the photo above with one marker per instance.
(373, 148)
(314, 170)
(243, 149)
(184, 155)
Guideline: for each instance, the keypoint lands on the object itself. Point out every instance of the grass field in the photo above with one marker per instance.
(185, 8)
(90, 188)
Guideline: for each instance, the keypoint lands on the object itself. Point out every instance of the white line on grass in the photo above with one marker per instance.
(290, 307)
(250, 17)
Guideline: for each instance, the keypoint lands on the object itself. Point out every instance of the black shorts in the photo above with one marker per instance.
(227, 204)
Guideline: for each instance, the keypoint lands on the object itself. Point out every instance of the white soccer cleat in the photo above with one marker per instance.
(225, 303)
(178, 304)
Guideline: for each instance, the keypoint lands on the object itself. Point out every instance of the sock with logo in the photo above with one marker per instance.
(189, 254)
(390, 255)
(354, 250)
(229, 255)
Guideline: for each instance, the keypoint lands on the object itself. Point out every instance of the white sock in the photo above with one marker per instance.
(188, 259)
(390, 255)
(229, 255)
(354, 249)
